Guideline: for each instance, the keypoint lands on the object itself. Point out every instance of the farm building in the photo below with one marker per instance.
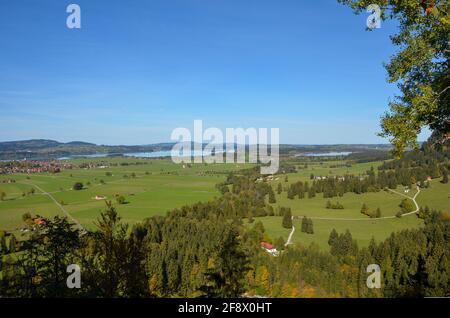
(269, 248)
(39, 221)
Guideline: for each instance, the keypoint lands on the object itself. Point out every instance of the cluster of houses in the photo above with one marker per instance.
(33, 223)
(93, 165)
(268, 178)
(32, 166)
(38, 166)
(339, 178)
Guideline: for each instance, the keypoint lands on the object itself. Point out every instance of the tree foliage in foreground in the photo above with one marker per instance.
(420, 68)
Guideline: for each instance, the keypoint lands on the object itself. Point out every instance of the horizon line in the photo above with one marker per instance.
(173, 142)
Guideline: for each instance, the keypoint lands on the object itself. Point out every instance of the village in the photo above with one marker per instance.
(42, 166)
(34, 166)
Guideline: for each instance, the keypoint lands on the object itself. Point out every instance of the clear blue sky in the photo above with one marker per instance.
(138, 69)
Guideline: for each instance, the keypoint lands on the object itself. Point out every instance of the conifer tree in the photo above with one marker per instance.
(333, 237)
(364, 209)
(287, 219)
(304, 224)
(272, 198)
(444, 176)
(378, 213)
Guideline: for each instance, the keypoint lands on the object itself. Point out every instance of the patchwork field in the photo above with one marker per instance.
(151, 187)
(154, 186)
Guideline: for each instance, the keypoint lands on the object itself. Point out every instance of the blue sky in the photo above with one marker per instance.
(138, 69)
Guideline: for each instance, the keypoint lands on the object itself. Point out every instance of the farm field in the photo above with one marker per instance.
(437, 196)
(152, 187)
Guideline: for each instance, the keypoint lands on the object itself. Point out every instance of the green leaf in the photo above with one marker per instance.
(435, 12)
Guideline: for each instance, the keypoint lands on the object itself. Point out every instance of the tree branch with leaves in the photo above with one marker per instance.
(420, 68)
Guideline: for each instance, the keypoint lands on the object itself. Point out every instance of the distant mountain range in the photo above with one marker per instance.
(47, 149)
(51, 149)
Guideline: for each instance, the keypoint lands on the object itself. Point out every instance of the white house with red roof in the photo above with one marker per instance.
(269, 248)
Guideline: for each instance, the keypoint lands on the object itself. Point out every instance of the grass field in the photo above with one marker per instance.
(158, 186)
(437, 197)
(363, 229)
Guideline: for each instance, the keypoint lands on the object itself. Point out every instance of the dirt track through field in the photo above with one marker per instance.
(373, 219)
(59, 206)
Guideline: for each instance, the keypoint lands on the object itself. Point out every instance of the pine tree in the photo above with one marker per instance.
(304, 224)
(364, 209)
(3, 248)
(279, 243)
(59, 242)
(378, 213)
(225, 278)
(272, 198)
(287, 219)
(333, 237)
(110, 236)
(310, 226)
(444, 176)
(12, 244)
(250, 217)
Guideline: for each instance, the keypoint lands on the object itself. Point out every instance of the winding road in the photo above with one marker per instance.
(289, 241)
(408, 197)
(380, 218)
(67, 214)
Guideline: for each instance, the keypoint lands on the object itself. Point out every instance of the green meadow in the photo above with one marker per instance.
(153, 187)
(437, 196)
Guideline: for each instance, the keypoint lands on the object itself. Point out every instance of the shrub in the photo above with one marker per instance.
(407, 206)
(78, 186)
(26, 216)
(120, 199)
